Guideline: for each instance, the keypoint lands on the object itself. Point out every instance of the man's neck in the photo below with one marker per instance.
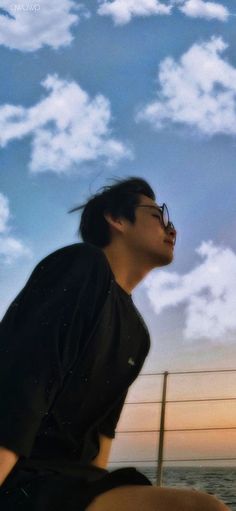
(127, 269)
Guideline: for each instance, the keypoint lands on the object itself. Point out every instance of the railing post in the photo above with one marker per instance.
(162, 431)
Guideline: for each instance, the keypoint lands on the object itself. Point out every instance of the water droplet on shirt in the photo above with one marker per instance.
(25, 492)
(131, 361)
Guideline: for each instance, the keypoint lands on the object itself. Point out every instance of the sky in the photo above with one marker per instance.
(91, 91)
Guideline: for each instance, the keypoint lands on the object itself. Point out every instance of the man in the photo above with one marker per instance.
(72, 342)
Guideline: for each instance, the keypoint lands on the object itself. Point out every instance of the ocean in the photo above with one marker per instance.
(218, 481)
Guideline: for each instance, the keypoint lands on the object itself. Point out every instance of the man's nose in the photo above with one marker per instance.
(172, 231)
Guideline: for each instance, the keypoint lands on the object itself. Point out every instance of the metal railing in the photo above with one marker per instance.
(161, 431)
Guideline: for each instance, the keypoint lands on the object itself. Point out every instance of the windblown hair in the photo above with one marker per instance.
(118, 199)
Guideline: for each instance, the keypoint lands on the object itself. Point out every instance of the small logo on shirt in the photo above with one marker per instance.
(131, 361)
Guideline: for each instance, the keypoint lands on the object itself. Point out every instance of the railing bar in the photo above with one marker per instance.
(181, 401)
(139, 431)
(162, 430)
(202, 399)
(199, 459)
(172, 460)
(171, 430)
(133, 461)
(142, 402)
(203, 429)
(191, 372)
(205, 371)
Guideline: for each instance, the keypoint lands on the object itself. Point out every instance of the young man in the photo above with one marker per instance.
(72, 342)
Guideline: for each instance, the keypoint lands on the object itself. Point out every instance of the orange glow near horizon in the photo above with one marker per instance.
(137, 435)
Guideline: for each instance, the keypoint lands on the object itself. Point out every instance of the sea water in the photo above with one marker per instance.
(217, 481)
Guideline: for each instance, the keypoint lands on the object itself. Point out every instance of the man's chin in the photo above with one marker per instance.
(168, 261)
(164, 260)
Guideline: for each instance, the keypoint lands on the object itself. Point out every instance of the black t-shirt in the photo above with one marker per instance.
(71, 343)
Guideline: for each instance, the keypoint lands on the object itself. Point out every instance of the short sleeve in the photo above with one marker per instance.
(108, 426)
(41, 335)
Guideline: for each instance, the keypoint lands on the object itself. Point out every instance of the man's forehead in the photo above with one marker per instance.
(147, 201)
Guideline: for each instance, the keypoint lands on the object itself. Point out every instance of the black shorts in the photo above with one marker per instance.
(57, 492)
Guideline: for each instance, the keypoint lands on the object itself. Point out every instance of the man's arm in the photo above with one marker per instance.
(101, 459)
(7, 461)
(107, 429)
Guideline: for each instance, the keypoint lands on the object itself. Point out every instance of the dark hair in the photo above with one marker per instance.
(118, 199)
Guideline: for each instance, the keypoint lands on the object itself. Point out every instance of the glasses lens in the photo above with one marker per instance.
(165, 215)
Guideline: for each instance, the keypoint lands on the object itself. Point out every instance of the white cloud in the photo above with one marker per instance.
(207, 10)
(27, 26)
(68, 127)
(199, 91)
(4, 213)
(10, 248)
(208, 293)
(122, 11)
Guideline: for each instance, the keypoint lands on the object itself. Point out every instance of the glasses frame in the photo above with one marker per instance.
(162, 209)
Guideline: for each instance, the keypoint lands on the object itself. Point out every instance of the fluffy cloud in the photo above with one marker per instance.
(207, 10)
(67, 126)
(122, 11)
(28, 26)
(10, 248)
(199, 91)
(4, 213)
(208, 293)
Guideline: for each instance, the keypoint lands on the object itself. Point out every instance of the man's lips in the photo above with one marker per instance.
(171, 242)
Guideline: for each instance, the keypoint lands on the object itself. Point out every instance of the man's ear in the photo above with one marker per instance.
(116, 223)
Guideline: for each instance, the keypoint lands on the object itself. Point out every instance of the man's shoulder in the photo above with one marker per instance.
(79, 248)
(71, 265)
(76, 254)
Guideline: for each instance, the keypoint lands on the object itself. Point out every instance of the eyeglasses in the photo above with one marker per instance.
(164, 214)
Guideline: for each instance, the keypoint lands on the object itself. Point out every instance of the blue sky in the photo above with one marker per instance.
(117, 88)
